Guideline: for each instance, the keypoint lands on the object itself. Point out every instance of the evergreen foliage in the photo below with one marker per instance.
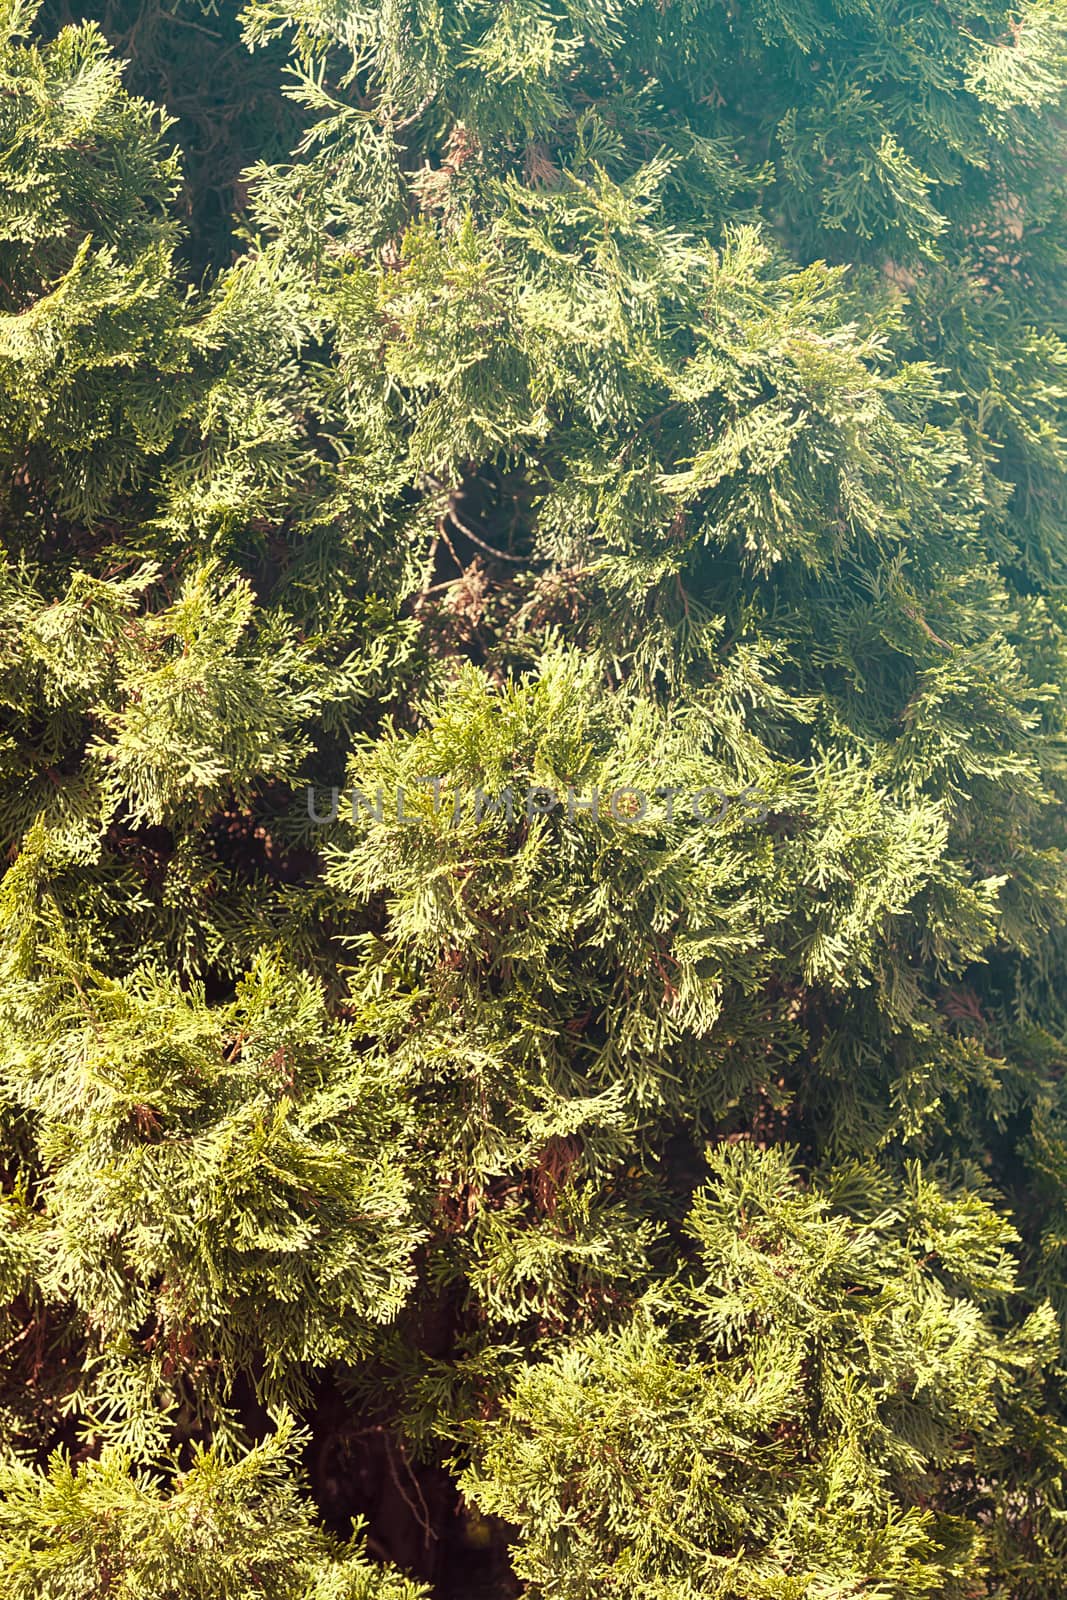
(453, 397)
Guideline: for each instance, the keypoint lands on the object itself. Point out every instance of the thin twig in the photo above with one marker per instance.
(450, 547)
(11, 1343)
(449, 583)
(501, 555)
(421, 1511)
(398, 127)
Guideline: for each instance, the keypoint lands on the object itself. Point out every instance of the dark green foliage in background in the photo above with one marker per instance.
(650, 394)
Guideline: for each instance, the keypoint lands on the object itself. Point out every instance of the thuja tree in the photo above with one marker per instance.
(609, 405)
